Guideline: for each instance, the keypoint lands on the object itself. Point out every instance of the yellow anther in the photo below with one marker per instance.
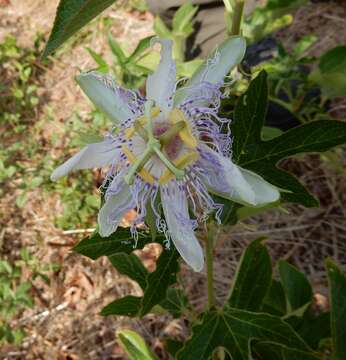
(180, 163)
(143, 173)
(175, 116)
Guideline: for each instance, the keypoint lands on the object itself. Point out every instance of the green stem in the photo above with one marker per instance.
(179, 174)
(140, 161)
(168, 135)
(179, 48)
(209, 259)
(237, 17)
(228, 19)
(147, 112)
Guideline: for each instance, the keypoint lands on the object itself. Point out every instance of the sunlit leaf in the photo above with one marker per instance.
(135, 346)
(142, 46)
(182, 20)
(117, 50)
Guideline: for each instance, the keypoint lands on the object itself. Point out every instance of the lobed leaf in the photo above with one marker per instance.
(262, 157)
(233, 329)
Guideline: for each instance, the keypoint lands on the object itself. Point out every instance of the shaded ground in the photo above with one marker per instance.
(65, 323)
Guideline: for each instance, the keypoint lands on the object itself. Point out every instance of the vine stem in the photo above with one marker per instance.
(237, 17)
(209, 260)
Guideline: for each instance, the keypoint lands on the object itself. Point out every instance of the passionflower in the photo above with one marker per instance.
(169, 150)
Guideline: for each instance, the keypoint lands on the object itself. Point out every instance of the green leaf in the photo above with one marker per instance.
(158, 281)
(173, 346)
(252, 279)
(161, 29)
(126, 306)
(304, 44)
(314, 328)
(331, 72)
(154, 284)
(131, 266)
(334, 60)
(150, 219)
(182, 20)
(188, 68)
(269, 133)
(70, 17)
(95, 246)
(273, 351)
(337, 288)
(246, 211)
(249, 116)
(103, 66)
(142, 46)
(261, 157)
(297, 287)
(233, 329)
(117, 50)
(275, 301)
(135, 346)
(175, 302)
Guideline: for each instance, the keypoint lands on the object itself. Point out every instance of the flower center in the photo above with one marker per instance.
(164, 141)
(173, 145)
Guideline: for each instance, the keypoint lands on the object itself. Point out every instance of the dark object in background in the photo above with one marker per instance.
(264, 50)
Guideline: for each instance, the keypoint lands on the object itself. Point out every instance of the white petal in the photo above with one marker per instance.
(114, 209)
(93, 155)
(265, 193)
(105, 94)
(215, 68)
(180, 227)
(161, 84)
(235, 183)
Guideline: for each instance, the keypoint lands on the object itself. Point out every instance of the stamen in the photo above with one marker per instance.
(141, 131)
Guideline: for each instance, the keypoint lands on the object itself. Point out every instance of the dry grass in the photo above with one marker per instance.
(65, 323)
